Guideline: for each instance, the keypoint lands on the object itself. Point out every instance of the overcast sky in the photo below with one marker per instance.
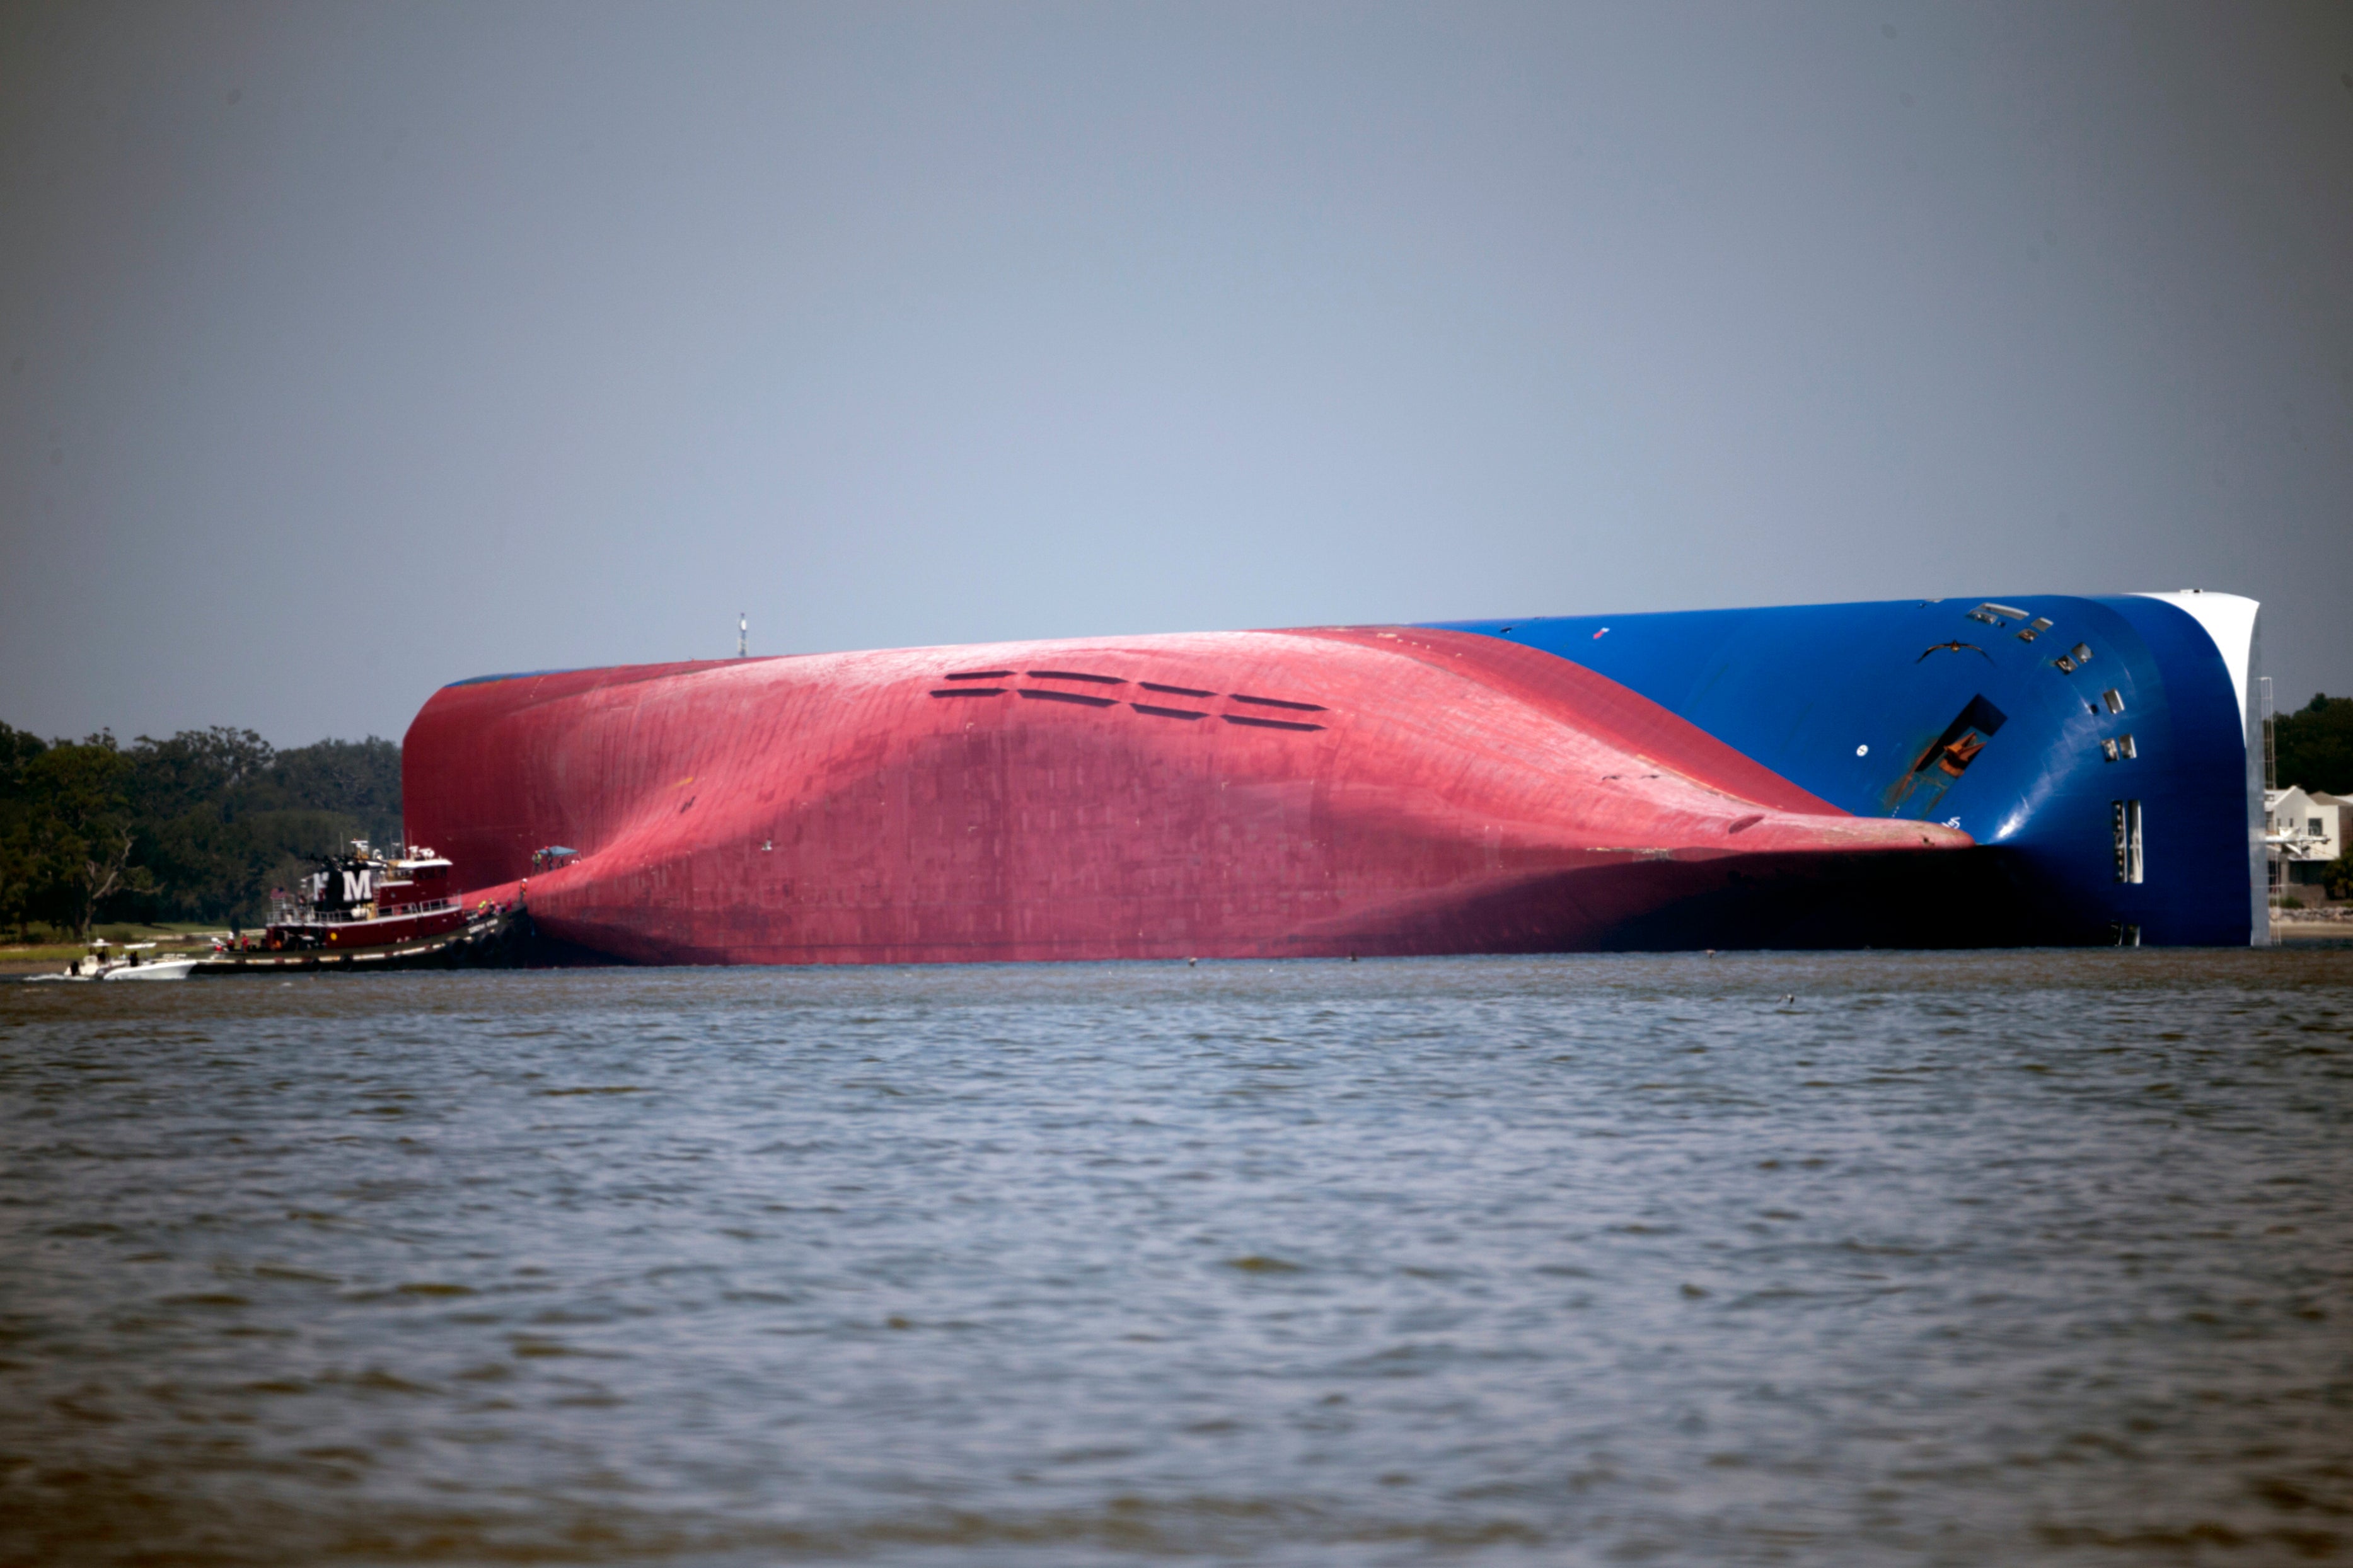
(352, 349)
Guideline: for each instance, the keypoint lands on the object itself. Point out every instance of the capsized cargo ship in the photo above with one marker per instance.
(2023, 770)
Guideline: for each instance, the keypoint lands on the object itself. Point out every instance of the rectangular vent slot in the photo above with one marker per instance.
(1995, 615)
(971, 692)
(2113, 699)
(1269, 724)
(2081, 653)
(1075, 675)
(2124, 748)
(2125, 817)
(1278, 702)
(1166, 712)
(2108, 750)
(2064, 665)
(2033, 629)
(1068, 696)
(1174, 691)
(980, 675)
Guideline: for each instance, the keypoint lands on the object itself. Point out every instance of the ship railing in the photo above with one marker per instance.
(348, 917)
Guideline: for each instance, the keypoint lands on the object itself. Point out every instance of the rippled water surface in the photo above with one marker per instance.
(1871, 1258)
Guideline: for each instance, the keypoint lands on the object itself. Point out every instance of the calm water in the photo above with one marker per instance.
(1952, 1258)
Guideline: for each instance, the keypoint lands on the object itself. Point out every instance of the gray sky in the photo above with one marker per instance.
(353, 349)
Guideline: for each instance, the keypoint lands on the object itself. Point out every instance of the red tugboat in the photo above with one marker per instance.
(366, 899)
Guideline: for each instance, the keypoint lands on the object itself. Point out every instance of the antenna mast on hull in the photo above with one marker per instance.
(743, 635)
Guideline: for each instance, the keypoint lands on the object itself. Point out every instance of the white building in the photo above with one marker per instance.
(2304, 830)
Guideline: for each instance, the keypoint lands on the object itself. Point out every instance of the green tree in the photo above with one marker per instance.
(190, 795)
(2316, 745)
(82, 833)
(2339, 878)
(224, 816)
(196, 826)
(19, 856)
(194, 768)
(357, 779)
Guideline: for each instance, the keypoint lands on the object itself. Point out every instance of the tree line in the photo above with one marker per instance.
(200, 826)
(2313, 745)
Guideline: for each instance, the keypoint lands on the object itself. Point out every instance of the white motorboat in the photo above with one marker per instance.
(157, 968)
(106, 963)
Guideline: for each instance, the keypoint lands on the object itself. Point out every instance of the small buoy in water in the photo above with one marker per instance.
(1191, 961)
(1789, 998)
(1710, 953)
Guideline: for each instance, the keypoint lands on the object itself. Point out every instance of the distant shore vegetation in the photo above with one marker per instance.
(2314, 745)
(198, 828)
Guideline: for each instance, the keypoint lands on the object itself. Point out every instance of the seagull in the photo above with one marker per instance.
(1956, 646)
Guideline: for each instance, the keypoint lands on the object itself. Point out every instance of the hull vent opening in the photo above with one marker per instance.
(2113, 699)
(979, 675)
(1075, 675)
(1174, 691)
(1168, 712)
(1079, 696)
(1268, 724)
(1278, 702)
(1947, 758)
(970, 690)
(2124, 817)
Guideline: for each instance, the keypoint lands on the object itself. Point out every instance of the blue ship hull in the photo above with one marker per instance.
(2103, 751)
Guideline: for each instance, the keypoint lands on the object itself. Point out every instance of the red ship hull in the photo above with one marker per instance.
(1373, 791)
